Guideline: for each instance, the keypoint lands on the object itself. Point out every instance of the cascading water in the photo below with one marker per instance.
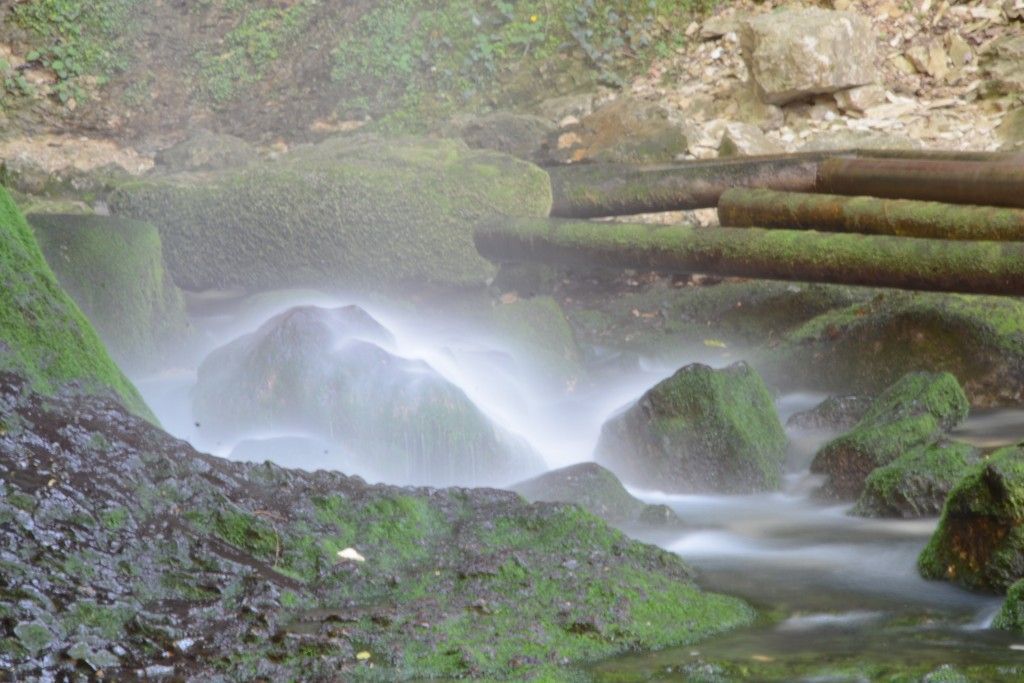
(841, 587)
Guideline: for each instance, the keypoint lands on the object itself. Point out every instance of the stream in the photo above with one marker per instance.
(837, 593)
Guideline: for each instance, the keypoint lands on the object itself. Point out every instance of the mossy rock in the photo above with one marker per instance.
(1011, 614)
(520, 135)
(865, 347)
(362, 212)
(626, 130)
(538, 327)
(979, 542)
(206, 151)
(597, 491)
(113, 268)
(913, 412)
(699, 430)
(834, 414)
(507, 590)
(43, 334)
(325, 372)
(916, 483)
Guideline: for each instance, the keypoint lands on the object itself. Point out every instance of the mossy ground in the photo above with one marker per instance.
(43, 334)
(113, 268)
(455, 583)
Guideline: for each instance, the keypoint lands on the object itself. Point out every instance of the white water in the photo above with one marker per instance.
(832, 573)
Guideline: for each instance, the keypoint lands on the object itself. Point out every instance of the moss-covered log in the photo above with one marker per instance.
(956, 182)
(742, 207)
(587, 191)
(882, 261)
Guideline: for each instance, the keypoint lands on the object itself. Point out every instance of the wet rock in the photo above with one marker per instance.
(1011, 614)
(866, 347)
(241, 560)
(114, 270)
(834, 414)
(42, 333)
(596, 490)
(519, 135)
(699, 430)
(914, 412)
(326, 372)
(916, 483)
(625, 131)
(206, 151)
(360, 212)
(980, 539)
(793, 54)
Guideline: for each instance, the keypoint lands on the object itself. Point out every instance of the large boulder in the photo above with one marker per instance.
(916, 483)
(114, 270)
(326, 372)
(520, 135)
(627, 130)
(914, 412)
(699, 430)
(43, 334)
(865, 347)
(980, 539)
(206, 151)
(797, 53)
(596, 490)
(254, 572)
(358, 212)
(1011, 614)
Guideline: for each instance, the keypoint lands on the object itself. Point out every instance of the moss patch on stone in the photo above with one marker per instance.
(916, 483)
(43, 334)
(699, 430)
(351, 212)
(980, 539)
(868, 346)
(113, 268)
(1011, 614)
(913, 412)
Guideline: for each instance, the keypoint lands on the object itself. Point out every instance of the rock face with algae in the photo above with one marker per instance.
(699, 430)
(349, 212)
(162, 560)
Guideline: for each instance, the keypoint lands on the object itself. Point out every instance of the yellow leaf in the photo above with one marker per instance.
(363, 656)
(715, 344)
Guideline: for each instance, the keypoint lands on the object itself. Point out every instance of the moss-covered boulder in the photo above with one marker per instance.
(253, 572)
(206, 151)
(520, 135)
(43, 334)
(360, 212)
(326, 372)
(597, 491)
(865, 347)
(1011, 614)
(699, 430)
(980, 539)
(113, 268)
(915, 411)
(834, 414)
(916, 483)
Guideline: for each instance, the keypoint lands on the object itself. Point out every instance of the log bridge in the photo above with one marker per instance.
(935, 221)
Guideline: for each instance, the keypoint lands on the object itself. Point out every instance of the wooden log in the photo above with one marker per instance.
(868, 215)
(592, 190)
(954, 182)
(807, 256)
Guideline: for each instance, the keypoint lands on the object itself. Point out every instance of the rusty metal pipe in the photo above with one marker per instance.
(954, 182)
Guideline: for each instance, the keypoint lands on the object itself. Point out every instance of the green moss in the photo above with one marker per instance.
(108, 622)
(359, 213)
(980, 339)
(114, 519)
(1011, 614)
(245, 531)
(913, 412)
(113, 268)
(33, 636)
(699, 430)
(43, 335)
(979, 542)
(916, 483)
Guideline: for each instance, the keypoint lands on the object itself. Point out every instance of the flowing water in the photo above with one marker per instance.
(840, 595)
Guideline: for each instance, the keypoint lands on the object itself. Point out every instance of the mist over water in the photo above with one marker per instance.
(846, 584)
